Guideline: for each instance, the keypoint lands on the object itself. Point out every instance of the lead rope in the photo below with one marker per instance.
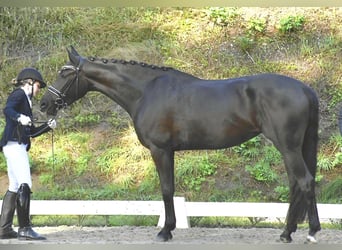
(52, 148)
(53, 156)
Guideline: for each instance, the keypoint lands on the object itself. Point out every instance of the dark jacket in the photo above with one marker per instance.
(17, 104)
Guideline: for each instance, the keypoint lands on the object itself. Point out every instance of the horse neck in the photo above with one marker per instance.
(125, 83)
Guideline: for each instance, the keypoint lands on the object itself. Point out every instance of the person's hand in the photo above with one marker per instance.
(24, 120)
(52, 123)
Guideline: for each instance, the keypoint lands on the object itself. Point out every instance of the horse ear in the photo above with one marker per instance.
(74, 51)
(74, 57)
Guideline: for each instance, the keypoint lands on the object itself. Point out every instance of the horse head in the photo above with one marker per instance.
(67, 88)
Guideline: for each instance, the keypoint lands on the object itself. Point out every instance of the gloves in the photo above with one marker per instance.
(52, 123)
(24, 120)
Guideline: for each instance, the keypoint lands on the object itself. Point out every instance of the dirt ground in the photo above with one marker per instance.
(198, 236)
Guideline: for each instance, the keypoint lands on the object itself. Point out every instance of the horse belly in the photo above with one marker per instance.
(214, 134)
(210, 119)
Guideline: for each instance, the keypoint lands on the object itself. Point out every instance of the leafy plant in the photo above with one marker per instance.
(257, 25)
(87, 119)
(222, 16)
(283, 193)
(291, 23)
(262, 172)
(259, 158)
(330, 156)
(329, 162)
(193, 169)
(246, 43)
(249, 149)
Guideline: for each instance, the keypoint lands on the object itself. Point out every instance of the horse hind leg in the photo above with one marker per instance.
(302, 194)
(296, 212)
(309, 150)
(314, 223)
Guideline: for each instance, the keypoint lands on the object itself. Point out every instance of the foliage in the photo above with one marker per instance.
(223, 16)
(330, 155)
(262, 172)
(96, 152)
(332, 193)
(262, 156)
(283, 193)
(87, 119)
(193, 169)
(3, 166)
(246, 43)
(291, 23)
(249, 149)
(257, 25)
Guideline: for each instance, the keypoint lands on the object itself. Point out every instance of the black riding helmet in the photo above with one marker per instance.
(31, 73)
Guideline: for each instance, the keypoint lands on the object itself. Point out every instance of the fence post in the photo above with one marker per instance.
(181, 214)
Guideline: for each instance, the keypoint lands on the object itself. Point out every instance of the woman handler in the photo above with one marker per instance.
(15, 144)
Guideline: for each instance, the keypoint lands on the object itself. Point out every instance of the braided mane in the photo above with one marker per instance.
(131, 62)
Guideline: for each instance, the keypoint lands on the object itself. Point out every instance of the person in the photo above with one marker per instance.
(15, 144)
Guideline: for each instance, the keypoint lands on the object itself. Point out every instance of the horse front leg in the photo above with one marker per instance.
(164, 161)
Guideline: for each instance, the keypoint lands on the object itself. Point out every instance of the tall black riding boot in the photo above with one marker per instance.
(25, 231)
(7, 213)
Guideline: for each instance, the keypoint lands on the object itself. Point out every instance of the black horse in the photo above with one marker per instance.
(172, 110)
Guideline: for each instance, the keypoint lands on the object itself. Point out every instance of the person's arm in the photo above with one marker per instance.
(13, 102)
(46, 127)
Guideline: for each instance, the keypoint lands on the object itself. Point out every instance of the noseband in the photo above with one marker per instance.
(61, 94)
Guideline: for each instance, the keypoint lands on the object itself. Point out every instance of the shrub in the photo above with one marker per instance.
(291, 24)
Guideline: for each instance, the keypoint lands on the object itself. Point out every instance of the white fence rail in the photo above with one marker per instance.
(183, 209)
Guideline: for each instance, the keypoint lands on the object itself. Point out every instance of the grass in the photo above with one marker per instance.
(152, 221)
(96, 152)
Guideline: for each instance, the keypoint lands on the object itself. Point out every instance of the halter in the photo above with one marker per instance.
(61, 94)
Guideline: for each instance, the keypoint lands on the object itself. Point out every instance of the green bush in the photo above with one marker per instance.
(262, 172)
(223, 16)
(257, 25)
(291, 24)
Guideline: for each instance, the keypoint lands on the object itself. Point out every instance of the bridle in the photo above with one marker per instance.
(61, 94)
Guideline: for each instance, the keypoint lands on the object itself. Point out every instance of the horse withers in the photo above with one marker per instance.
(172, 110)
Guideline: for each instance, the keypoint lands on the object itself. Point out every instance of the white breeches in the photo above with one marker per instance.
(18, 165)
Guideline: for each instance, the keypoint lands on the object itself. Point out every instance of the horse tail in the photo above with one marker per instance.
(300, 199)
(310, 142)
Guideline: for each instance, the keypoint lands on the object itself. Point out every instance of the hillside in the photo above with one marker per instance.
(96, 152)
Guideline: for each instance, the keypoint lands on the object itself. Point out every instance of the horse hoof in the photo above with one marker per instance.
(310, 240)
(285, 239)
(163, 237)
